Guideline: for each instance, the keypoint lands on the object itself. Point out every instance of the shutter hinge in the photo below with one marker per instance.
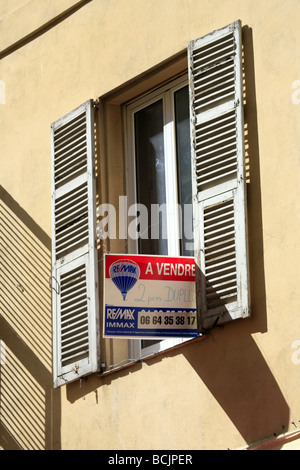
(57, 290)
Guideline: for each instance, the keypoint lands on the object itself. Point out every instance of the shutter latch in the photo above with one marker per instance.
(57, 289)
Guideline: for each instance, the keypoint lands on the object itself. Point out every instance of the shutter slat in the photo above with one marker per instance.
(68, 144)
(219, 221)
(217, 99)
(71, 220)
(78, 345)
(72, 165)
(74, 315)
(210, 135)
(65, 221)
(74, 326)
(70, 150)
(75, 238)
(215, 154)
(70, 132)
(209, 98)
(63, 153)
(78, 319)
(76, 144)
(216, 149)
(213, 68)
(71, 210)
(71, 199)
(214, 53)
(218, 170)
(74, 251)
(65, 124)
(212, 126)
(207, 82)
(218, 175)
(211, 158)
(223, 139)
(69, 291)
(78, 298)
(70, 340)
(222, 174)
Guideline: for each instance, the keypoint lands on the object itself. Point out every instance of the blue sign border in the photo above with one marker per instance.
(123, 321)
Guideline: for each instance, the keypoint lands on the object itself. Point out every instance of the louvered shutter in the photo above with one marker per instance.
(74, 250)
(219, 187)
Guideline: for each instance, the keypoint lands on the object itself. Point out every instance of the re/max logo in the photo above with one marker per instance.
(117, 268)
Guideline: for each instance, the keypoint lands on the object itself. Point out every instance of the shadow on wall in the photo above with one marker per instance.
(255, 219)
(29, 407)
(234, 371)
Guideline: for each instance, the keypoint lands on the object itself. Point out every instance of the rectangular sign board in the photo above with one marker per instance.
(149, 297)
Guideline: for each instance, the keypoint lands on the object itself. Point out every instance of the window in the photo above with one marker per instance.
(196, 186)
(159, 176)
(158, 130)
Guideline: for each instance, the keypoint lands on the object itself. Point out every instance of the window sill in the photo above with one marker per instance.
(131, 363)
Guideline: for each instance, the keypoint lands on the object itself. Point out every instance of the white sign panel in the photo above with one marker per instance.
(149, 297)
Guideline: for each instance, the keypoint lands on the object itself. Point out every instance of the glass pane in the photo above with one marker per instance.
(183, 149)
(150, 172)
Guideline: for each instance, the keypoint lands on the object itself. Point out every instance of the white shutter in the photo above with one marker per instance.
(219, 187)
(74, 249)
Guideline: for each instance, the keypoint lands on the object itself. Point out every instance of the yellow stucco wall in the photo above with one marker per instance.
(241, 384)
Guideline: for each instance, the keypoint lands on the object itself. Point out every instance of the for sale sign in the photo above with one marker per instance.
(149, 296)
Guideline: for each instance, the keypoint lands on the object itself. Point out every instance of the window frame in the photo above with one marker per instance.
(166, 92)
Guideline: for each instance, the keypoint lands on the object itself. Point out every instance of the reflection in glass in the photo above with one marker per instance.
(150, 171)
(182, 124)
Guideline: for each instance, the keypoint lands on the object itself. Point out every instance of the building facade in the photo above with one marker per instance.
(109, 111)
